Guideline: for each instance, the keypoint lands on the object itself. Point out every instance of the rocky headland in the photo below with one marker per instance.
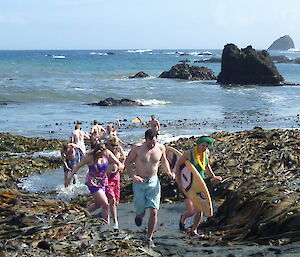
(283, 43)
(258, 200)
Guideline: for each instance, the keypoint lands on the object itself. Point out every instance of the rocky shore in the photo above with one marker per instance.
(258, 202)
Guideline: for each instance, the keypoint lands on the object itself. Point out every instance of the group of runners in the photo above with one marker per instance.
(107, 159)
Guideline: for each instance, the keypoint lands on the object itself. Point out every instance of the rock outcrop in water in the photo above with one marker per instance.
(140, 74)
(248, 66)
(185, 71)
(283, 43)
(115, 102)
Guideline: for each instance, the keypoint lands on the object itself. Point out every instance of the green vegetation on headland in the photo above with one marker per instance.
(258, 200)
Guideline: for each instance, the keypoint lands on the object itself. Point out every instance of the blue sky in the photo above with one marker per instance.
(142, 24)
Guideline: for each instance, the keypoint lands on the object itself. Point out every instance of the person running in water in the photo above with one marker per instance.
(70, 155)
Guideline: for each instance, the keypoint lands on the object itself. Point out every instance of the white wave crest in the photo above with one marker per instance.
(58, 56)
(139, 51)
(153, 102)
(294, 50)
(94, 53)
(167, 138)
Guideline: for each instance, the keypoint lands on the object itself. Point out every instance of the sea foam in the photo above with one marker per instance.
(153, 102)
(139, 51)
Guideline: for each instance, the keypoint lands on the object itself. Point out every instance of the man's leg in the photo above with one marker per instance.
(152, 222)
(139, 202)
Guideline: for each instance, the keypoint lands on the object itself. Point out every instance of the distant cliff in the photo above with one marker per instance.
(283, 43)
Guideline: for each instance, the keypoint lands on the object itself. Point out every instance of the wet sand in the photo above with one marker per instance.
(170, 241)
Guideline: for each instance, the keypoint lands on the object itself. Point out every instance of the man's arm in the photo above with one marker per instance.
(130, 159)
(158, 125)
(165, 164)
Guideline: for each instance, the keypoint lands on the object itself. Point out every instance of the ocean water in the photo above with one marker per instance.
(46, 91)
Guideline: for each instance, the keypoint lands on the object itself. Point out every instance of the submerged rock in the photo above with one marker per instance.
(185, 71)
(282, 43)
(248, 66)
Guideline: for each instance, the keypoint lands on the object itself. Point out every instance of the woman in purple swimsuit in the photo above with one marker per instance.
(96, 179)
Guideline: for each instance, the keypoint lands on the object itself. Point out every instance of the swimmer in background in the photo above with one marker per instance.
(70, 155)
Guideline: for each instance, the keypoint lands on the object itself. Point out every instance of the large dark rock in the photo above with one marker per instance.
(115, 102)
(185, 71)
(282, 43)
(140, 74)
(248, 66)
(282, 59)
(211, 60)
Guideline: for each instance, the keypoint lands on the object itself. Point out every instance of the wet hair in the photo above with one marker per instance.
(150, 134)
(95, 122)
(98, 149)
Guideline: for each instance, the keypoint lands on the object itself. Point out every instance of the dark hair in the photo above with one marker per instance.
(65, 147)
(150, 134)
(95, 122)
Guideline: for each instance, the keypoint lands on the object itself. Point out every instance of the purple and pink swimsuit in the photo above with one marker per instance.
(96, 178)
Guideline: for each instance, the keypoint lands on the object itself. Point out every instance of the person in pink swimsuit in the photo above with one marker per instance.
(97, 161)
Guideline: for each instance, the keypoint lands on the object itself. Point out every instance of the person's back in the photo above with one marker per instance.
(97, 128)
(78, 137)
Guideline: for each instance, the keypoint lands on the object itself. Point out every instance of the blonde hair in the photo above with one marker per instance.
(113, 140)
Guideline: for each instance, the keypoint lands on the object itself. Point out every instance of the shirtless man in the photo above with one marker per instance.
(146, 186)
(97, 128)
(78, 137)
(70, 155)
(154, 124)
